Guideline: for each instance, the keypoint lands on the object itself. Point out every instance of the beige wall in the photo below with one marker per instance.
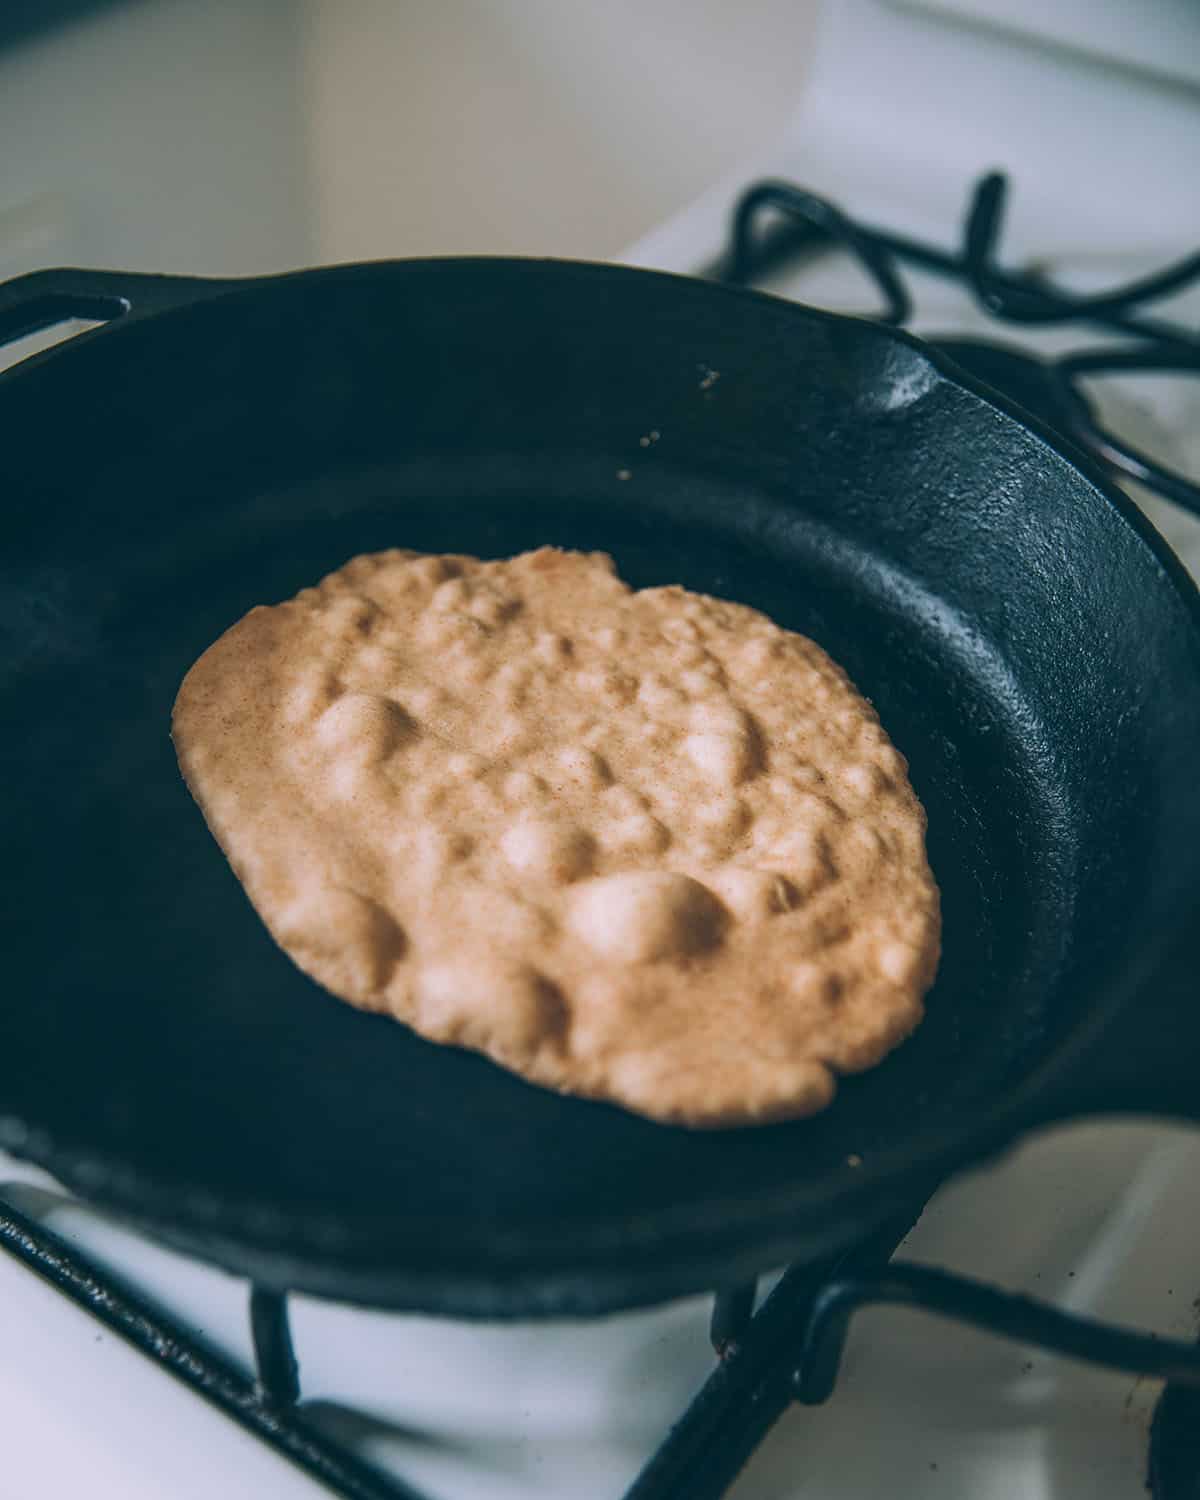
(566, 127)
(239, 136)
(157, 135)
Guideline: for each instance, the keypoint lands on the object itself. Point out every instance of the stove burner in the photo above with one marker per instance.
(802, 222)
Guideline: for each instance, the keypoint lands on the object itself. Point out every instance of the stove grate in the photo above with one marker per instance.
(267, 1406)
(774, 220)
(787, 1351)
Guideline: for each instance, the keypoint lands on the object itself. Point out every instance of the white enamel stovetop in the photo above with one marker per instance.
(1100, 1217)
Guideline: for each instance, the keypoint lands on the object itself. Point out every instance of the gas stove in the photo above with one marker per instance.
(906, 110)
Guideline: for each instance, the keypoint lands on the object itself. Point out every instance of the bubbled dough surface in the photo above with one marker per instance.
(640, 846)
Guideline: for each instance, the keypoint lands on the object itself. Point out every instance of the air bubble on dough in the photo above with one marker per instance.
(753, 894)
(506, 1005)
(726, 758)
(646, 915)
(350, 932)
(364, 724)
(546, 850)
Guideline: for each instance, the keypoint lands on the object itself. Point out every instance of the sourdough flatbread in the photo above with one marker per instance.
(640, 846)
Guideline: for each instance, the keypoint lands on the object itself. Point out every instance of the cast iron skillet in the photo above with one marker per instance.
(1031, 644)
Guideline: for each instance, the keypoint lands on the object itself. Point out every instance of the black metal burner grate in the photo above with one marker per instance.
(789, 1349)
(774, 221)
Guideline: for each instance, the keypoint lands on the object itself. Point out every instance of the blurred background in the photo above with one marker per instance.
(251, 135)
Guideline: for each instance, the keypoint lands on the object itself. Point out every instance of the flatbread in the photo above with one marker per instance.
(639, 846)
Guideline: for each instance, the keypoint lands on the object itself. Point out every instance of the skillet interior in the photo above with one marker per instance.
(160, 1053)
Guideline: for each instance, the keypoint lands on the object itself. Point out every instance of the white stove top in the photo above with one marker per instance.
(1100, 1216)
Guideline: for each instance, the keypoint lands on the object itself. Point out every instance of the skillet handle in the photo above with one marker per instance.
(29, 304)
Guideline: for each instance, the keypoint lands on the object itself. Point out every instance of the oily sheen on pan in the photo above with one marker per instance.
(643, 846)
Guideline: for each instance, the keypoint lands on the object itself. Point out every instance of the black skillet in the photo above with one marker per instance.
(1030, 642)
